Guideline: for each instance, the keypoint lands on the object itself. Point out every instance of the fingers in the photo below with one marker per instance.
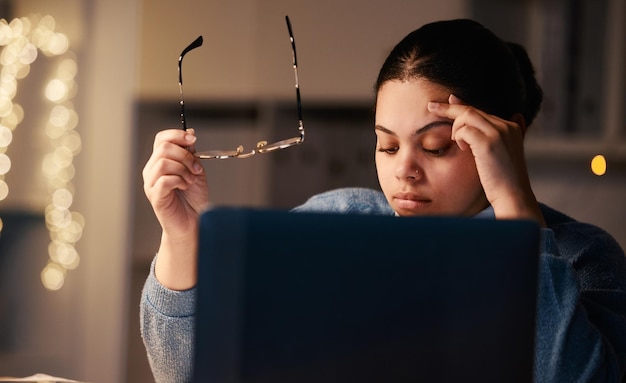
(179, 137)
(452, 99)
(472, 125)
(463, 114)
(171, 163)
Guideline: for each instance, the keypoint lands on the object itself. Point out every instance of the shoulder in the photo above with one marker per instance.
(573, 235)
(592, 251)
(347, 200)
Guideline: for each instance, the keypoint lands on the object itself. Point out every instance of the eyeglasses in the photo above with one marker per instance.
(261, 146)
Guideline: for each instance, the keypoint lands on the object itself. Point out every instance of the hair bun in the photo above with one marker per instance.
(533, 94)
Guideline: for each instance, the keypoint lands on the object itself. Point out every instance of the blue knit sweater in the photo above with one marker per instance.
(581, 303)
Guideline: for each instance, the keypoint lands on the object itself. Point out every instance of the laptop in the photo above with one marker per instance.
(317, 297)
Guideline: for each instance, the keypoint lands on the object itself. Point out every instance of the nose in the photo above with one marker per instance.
(407, 166)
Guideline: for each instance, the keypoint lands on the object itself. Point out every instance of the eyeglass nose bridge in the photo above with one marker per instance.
(223, 154)
(261, 148)
(264, 147)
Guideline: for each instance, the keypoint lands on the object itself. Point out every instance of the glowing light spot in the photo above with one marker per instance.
(6, 105)
(6, 136)
(74, 264)
(28, 54)
(8, 69)
(41, 36)
(72, 142)
(53, 276)
(8, 85)
(62, 157)
(47, 22)
(68, 69)
(79, 219)
(48, 166)
(26, 25)
(598, 165)
(70, 236)
(5, 164)
(9, 56)
(6, 34)
(63, 254)
(59, 116)
(54, 131)
(58, 44)
(62, 199)
(73, 121)
(4, 190)
(16, 26)
(58, 219)
(56, 90)
(15, 117)
(22, 71)
(62, 177)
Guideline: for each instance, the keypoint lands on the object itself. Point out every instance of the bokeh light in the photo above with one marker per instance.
(21, 40)
(5, 164)
(6, 136)
(598, 165)
(56, 90)
(4, 190)
(53, 276)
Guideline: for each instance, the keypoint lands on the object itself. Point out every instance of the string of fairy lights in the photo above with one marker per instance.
(22, 40)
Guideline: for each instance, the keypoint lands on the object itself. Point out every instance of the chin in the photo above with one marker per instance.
(413, 213)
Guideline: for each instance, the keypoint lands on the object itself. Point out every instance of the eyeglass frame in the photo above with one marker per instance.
(261, 146)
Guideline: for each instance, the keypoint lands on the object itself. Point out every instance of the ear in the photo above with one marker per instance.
(518, 118)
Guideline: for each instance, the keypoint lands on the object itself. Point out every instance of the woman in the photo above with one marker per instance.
(453, 103)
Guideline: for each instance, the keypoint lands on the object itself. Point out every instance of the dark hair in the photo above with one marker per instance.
(471, 61)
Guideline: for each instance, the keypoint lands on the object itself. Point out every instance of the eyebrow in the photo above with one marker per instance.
(419, 131)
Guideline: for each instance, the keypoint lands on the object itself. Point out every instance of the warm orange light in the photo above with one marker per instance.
(598, 165)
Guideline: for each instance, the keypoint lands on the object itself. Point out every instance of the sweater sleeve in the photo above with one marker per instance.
(581, 329)
(167, 329)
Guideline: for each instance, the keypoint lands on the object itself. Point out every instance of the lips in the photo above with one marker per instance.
(410, 201)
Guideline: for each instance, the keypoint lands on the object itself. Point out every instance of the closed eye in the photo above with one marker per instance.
(438, 151)
(392, 150)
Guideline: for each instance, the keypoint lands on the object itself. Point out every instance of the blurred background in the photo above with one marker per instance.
(86, 84)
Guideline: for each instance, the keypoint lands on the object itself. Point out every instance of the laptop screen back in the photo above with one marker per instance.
(303, 297)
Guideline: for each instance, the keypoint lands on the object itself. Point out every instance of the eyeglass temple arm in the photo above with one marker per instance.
(194, 44)
(295, 71)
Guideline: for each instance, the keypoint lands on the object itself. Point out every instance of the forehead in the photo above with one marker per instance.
(412, 91)
(404, 103)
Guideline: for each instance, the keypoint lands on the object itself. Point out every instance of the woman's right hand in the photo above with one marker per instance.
(176, 186)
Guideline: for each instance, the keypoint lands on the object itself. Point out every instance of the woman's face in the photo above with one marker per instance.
(420, 169)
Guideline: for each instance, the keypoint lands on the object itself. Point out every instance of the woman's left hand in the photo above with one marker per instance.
(498, 149)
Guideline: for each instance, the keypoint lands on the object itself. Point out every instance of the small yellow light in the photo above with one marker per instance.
(4, 190)
(28, 54)
(56, 90)
(6, 136)
(62, 199)
(53, 276)
(598, 165)
(5, 164)
(59, 115)
(6, 105)
(58, 44)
